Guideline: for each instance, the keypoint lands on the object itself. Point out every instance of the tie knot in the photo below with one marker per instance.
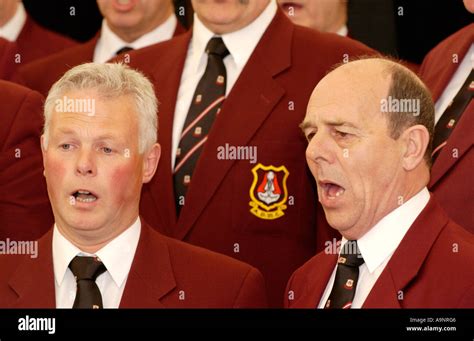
(350, 254)
(217, 47)
(123, 50)
(86, 268)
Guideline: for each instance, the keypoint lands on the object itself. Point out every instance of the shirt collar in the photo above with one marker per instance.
(11, 30)
(381, 241)
(110, 43)
(117, 255)
(240, 43)
(343, 31)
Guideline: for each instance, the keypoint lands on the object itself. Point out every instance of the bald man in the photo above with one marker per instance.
(369, 148)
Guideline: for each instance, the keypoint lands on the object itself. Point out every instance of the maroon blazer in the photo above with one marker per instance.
(7, 60)
(42, 74)
(431, 268)
(163, 272)
(263, 110)
(25, 212)
(35, 42)
(451, 177)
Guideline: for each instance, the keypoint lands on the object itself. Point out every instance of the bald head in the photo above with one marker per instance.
(369, 125)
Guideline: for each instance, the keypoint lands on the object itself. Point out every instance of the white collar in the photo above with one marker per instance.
(117, 255)
(240, 43)
(343, 31)
(381, 241)
(11, 30)
(109, 43)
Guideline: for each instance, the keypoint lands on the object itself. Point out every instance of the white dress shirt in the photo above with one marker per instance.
(109, 43)
(11, 30)
(117, 257)
(455, 83)
(240, 44)
(378, 245)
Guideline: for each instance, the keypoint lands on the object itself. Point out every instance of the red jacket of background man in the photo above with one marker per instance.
(263, 110)
(35, 42)
(165, 273)
(42, 74)
(452, 179)
(431, 268)
(7, 59)
(25, 212)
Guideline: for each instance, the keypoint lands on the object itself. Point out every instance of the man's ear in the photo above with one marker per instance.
(416, 139)
(150, 162)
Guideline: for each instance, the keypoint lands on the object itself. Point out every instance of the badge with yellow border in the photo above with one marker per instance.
(268, 191)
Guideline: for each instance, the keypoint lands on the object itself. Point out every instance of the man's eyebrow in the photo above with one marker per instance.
(68, 131)
(341, 124)
(305, 125)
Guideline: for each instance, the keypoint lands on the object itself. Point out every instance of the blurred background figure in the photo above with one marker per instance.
(126, 25)
(323, 15)
(31, 41)
(448, 72)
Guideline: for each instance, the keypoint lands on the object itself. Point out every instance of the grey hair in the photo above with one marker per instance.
(110, 81)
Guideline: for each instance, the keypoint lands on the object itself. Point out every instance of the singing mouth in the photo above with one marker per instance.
(332, 190)
(84, 196)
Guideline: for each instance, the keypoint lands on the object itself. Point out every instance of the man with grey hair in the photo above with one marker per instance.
(99, 147)
(369, 150)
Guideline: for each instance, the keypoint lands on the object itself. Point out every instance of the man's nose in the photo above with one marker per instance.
(85, 164)
(319, 149)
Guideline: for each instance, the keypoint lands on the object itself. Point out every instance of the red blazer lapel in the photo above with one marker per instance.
(460, 141)
(406, 262)
(251, 100)
(437, 70)
(151, 275)
(180, 29)
(34, 279)
(160, 190)
(439, 65)
(316, 284)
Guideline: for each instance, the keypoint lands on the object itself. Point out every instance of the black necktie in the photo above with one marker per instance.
(123, 50)
(452, 115)
(347, 274)
(205, 105)
(86, 270)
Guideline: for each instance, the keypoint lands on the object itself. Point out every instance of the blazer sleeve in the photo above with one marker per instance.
(252, 293)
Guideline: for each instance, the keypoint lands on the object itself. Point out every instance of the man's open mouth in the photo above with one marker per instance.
(84, 196)
(332, 190)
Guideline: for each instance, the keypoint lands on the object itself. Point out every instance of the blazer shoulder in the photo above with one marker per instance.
(328, 43)
(228, 278)
(446, 47)
(155, 52)
(207, 260)
(67, 58)
(53, 41)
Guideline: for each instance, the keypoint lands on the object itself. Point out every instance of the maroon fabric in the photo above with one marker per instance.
(451, 175)
(25, 212)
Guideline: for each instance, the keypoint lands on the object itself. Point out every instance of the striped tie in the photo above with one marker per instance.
(347, 275)
(452, 115)
(205, 106)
